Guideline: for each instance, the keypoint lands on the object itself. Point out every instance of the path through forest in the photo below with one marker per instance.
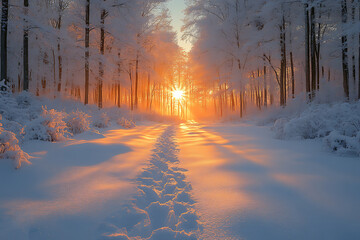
(187, 181)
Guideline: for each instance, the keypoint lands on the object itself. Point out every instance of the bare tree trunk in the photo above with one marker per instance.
(119, 84)
(292, 75)
(317, 51)
(136, 79)
(313, 50)
(4, 27)
(59, 48)
(148, 92)
(265, 87)
(26, 48)
(353, 61)
(359, 56)
(54, 72)
(282, 82)
(102, 50)
(131, 89)
(307, 51)
(87, 53)
(344, 41)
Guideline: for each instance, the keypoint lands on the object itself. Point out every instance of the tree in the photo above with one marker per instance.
(87, 53)
(102, 49)
(26, 48)
(4, 50)
(344, 41)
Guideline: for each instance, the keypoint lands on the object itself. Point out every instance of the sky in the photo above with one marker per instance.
(177, 8)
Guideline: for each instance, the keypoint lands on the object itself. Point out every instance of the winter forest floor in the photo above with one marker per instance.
(181, 181)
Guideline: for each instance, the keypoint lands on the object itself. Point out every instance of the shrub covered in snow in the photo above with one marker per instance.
(78, 122)
(338, 124)
(101, 121)
(49, 126)
(126, 123)
(10, 149)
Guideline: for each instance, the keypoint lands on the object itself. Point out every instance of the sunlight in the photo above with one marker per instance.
(178, 94)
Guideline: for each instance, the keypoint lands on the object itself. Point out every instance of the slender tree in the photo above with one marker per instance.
(313, 49)
(344, 41)
(87, 53)
(353, 61)
(307, 50)
(26, 48)
(102, 48)
(359, 55)
(4, 50)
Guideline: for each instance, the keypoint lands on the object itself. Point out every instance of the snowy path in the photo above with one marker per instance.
(191, 181)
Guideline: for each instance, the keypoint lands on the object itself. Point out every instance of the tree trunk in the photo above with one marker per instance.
(131, 89)
(26, 48)
(136, 80)
(307, 51)
(4, 27)
(119, 84)
(359, 56)
(344, 41)
(102, 50)
(265, 87)
(59, 48)
(282, 83)
(353, 61)
(87, 53)
(292, 75)
(313, 51)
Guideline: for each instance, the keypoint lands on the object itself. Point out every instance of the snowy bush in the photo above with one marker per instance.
(126, 123)
(49, 126)
(10, 149)
(101, 121)
(343, 144)
(78, 122)
(24, 99)
(338, 124)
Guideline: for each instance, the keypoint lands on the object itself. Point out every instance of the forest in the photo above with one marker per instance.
(245, 55)
(180, 119)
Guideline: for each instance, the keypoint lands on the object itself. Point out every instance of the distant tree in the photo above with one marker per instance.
(344, 41)
(4, 50)
(26, 48)
(87, 52)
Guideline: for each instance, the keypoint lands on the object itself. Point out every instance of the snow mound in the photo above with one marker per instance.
(126, 123)
(338, 124)
(78, 122)
(10, 149)
(49, 126)
(163, 207)
(101, 121)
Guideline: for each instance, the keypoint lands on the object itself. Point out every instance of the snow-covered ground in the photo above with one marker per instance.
(187, 181)
(249, 185)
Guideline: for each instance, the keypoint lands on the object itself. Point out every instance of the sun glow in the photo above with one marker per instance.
(178, 94)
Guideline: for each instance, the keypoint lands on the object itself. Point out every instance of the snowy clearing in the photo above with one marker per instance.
(190, 181)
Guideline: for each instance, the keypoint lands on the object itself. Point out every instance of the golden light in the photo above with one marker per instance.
(178, 94)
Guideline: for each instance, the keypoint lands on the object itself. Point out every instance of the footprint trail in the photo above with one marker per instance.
(163, 208)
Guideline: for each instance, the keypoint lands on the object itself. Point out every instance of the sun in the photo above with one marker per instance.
(178, 94)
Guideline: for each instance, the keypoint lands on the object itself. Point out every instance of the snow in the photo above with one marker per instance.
(10, 149)
(182, 181)
(163, 207)
(338, 124)
(26, 118)
(248, 185)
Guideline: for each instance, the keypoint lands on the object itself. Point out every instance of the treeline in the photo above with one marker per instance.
(104, 52)
(259, 53)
